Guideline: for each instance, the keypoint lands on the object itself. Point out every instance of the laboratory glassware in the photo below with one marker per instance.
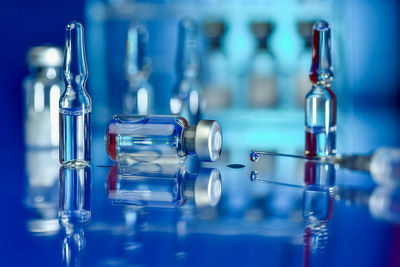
(42, 88)
(74, 211)
(161, 139)
(320, 106)
(163, 185)
(262, 76)
(186, 100)
(138, 94)
(216, 75)
(303, 83)
(75, 104)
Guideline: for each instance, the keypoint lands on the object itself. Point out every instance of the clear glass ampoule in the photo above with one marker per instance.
(161, 139)
(138, 94)
(320, 106)
(75, 105)
(186, 99)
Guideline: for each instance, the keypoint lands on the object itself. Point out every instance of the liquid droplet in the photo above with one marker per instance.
(253, 156)
(236, 166)
(254, 176)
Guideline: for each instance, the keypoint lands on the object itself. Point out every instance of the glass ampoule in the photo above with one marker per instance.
(320, 106)
(75, 104)
(186, 97)
(262, 76)
(42, 88)
(138, 94)
(162, 139)
(163, 185)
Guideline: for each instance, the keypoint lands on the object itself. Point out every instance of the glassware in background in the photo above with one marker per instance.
(74, 211)
(303, 83)
(320, 106)
(216, 75)
(161, 139)
(75, 104)
(262, 76)
(42, 88)
(138, 94)
(186, 100)
(163, 185)
(41, 197)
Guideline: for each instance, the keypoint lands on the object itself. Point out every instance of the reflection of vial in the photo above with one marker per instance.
(158, 185)
(161, 139)
(42, 91)
(262, 84)
(138, 96)
(75, 104)
(320, 107)
(185, 100)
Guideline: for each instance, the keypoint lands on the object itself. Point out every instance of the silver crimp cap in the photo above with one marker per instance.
(208, 140)
(207, 188)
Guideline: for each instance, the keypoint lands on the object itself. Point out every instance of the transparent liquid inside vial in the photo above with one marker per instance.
(320, 141)
(75, 137)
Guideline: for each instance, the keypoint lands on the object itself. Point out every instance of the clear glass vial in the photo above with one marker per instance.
(138, 94)
(186, 98)
(163, 185)
(75, 105)
(320, 106)
(162, 139)
(42, 88)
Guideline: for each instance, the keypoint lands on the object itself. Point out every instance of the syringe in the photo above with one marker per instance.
(383, 164)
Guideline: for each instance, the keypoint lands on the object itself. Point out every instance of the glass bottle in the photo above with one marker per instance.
(320, 107)
(138, 96)
(302, 80)
(186, 98)
(217, 87)
(163, 185)
(75, 104)
(162, 139)
(74, 212)
(42, 89)
(262, 83)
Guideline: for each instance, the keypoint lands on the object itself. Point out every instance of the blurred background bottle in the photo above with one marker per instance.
(262, 80)
(42, 89)
(138, 94)
(216, 75)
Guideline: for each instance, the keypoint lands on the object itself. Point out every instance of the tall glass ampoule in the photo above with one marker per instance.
(138, 94)
(75, 105)
(186, 99)
(320, 106)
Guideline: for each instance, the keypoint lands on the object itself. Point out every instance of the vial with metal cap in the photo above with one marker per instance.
(320, 106)
(163, 185)
(138, 94)
(75, 105)
(162, 139)
(186, 99)
(42, 89)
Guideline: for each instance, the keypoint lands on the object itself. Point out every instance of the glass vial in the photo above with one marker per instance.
(75, 105)
(186, 98)
(320, 106)
(216, 78)
(163, 185)
(138, 94)
(162, 139)
(42, 88)
(262, 78)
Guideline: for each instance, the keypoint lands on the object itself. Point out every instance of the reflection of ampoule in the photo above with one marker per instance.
(162, 185)
(186, 100)
(138, 96)
(75, 104)
(320, 107)
(161, 139)
(74, 211)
